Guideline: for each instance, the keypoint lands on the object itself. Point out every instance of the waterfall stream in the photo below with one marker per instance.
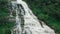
(26, 21)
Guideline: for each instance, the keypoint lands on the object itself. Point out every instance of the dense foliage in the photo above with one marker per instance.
(5, 24)
(47, 11)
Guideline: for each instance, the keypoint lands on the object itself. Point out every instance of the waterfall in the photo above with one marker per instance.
(26, 21)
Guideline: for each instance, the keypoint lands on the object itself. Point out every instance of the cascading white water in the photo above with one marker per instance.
(19, 1)
(31, 23)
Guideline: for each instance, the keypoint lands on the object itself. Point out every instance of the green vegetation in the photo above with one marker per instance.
(47, 11)
(5, 24)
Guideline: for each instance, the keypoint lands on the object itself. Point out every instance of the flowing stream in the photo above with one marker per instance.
(26, 21)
